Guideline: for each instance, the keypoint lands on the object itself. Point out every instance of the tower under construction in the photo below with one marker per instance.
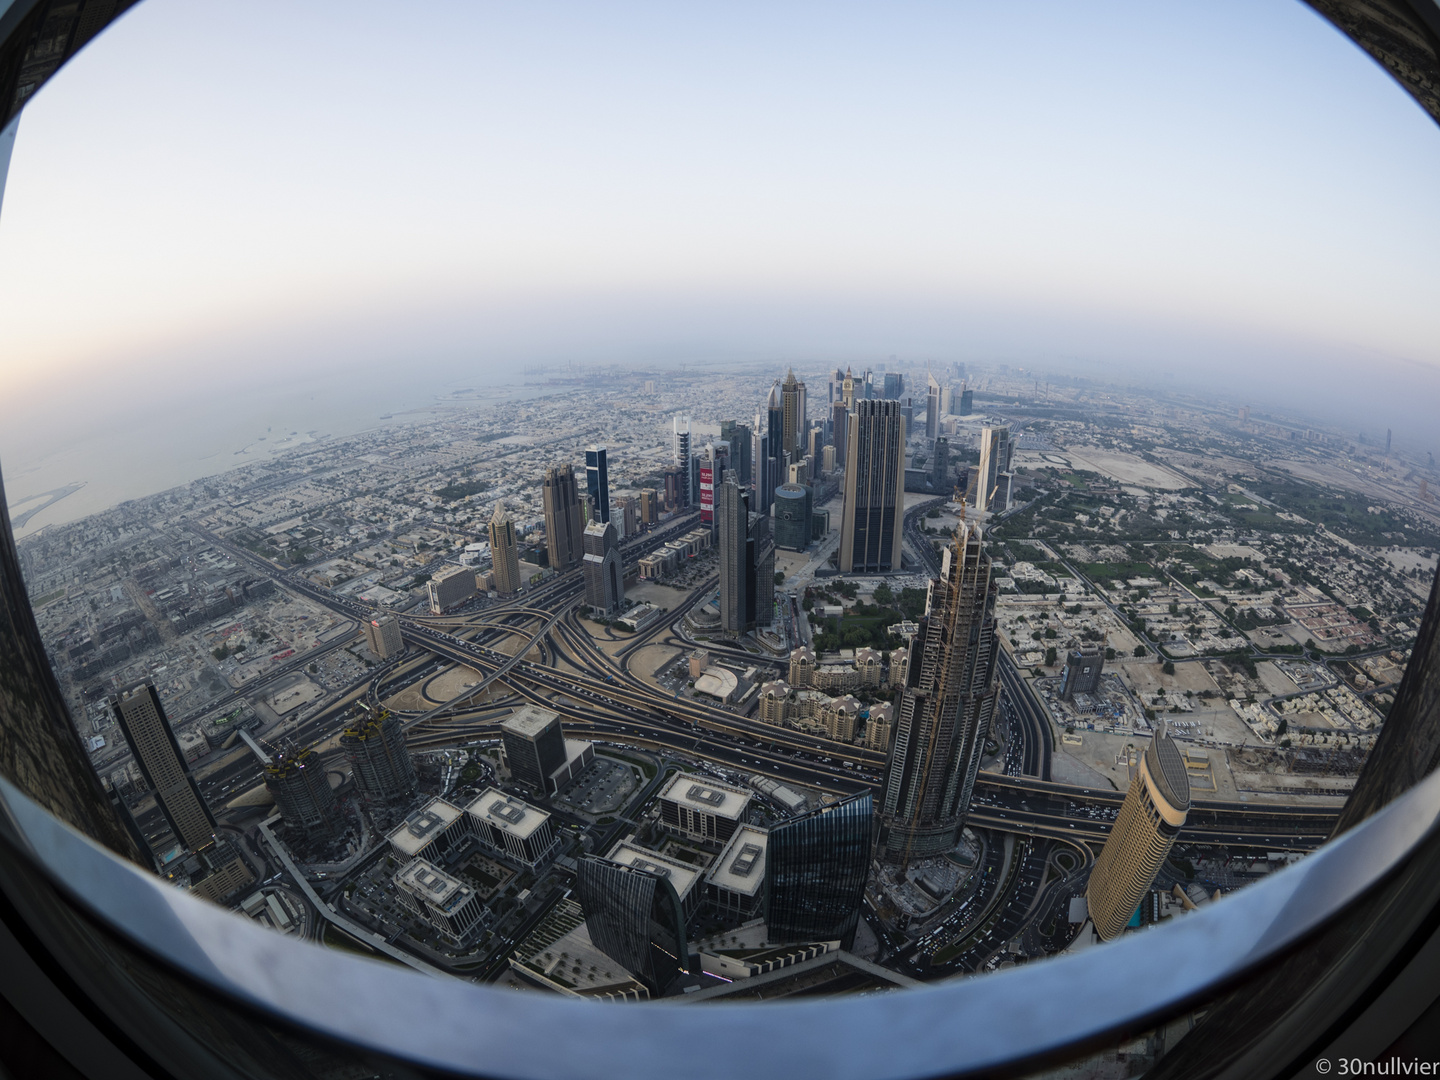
(945, 708)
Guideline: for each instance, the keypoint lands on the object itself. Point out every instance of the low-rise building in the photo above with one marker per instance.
(450, 906)
(432, 832)
(774, 700)
(802, 665)
(512, 827)
(700, 808)
(735, 882)
(878, 727)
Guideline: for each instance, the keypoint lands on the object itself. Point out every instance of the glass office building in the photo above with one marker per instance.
(815, 873)
(634, 917)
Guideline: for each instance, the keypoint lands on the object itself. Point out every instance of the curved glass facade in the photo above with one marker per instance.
(815, 873)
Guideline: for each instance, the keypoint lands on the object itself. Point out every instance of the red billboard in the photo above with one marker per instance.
(707, 493)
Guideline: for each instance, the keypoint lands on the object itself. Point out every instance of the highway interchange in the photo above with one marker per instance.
(538, 650)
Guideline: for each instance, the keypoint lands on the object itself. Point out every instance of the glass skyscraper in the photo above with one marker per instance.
(815, 869)
(633, 916)
(597, 482)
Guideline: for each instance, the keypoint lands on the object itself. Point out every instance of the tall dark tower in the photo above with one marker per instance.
(686, 495)
(564, 529)
(775, 429)
(157, 754)
(839, 429)
(747, 560)
(945, 708)
(737, 571)
(764, 472)
(815, 869)
(873, 520)
(792, 404)
(597, 482)
(741, 440)
(604, 570)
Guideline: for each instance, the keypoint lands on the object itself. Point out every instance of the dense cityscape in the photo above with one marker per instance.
(666, 684)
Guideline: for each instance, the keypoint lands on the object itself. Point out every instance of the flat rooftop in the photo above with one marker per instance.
(704, 794)
(507, 813)
(433, 885)
(681, 876)
(418, 830)
(452, 571)
(740, 868)
(529, 721)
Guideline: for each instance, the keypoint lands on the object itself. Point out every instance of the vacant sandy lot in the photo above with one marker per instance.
(1126, 468)
(651, 659)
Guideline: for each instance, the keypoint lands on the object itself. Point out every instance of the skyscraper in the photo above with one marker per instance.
(534, 746)
(775, 428)
(940, 464)
(676, 483)
(741, 440)
(597, 482)
(379, 759)
(634, 917)
(504, 551)
(764, 467)
(993, 483)
(967, 401)
(747, 560)
(300, 785)
(157, 754)
(737, 574)
(792, 403)
(894, 386)
(932, 410)
(681, 434)
(604, 574)
(1145, 829)
(563, 526)
(847, 393)
(382, 635)
(1083, 668)
(873, 520)
(839, 428)
(945, 708)
(815, 869)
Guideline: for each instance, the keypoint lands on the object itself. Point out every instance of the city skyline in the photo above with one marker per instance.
(1311, 296)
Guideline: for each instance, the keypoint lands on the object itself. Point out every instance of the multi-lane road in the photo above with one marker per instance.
(601, 694)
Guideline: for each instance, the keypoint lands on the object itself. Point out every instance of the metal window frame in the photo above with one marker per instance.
(126, 976)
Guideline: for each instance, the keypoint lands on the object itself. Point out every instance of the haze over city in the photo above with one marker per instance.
(201, 213)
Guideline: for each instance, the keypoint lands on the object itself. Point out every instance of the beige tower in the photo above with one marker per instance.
(504, 552)
(1151, 816)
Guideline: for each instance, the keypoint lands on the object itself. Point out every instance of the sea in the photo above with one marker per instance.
(101, 461)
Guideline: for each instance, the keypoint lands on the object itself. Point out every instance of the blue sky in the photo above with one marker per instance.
(225, 190)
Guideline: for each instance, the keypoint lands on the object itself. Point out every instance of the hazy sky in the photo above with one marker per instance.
(223, 189)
